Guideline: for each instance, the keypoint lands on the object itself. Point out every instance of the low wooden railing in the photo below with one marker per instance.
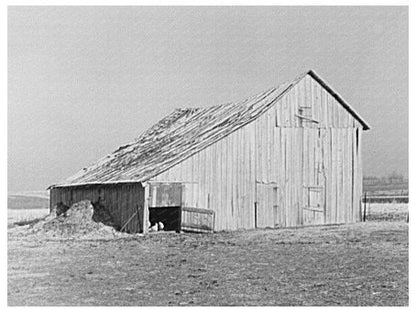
(197, 220)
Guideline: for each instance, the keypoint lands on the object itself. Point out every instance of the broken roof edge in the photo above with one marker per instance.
(289, 85)
(54, 186)
(107, 157)
(339, 98)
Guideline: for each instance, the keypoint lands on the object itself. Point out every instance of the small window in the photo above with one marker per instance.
(314, 198)
(305, 114)
(305, 111)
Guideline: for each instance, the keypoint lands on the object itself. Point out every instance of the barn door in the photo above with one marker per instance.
(165, 201)
(313, 199)
(267, 211)
(197, 220)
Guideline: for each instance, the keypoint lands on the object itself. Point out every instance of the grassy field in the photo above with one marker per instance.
(355, 265)
(387, 212)
(24, 215)
(27, 201)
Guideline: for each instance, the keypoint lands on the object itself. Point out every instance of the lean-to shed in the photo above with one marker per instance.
(289, 156)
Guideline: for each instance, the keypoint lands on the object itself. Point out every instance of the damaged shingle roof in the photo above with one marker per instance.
(178, 136)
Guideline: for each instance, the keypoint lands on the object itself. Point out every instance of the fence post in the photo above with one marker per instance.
(145, 217)
(365, 206)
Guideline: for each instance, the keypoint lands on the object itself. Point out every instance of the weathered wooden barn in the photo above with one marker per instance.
(290, 156)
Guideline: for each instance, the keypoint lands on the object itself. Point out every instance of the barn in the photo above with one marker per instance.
(287, 157)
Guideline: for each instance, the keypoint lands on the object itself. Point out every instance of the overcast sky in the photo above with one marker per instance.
(84, 80)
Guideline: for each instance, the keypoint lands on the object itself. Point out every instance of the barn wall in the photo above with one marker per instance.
(121, 200)
(316, 103)
(280, 170)
(220, 178)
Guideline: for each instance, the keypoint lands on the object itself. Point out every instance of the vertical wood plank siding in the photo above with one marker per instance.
(121, 201)
(299, 163)
(298, 170)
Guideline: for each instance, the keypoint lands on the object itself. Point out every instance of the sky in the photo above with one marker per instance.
(84, 80)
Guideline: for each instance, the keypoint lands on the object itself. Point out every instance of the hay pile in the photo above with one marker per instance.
(81, 220)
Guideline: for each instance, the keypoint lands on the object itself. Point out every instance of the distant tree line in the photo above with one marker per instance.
(392, 178)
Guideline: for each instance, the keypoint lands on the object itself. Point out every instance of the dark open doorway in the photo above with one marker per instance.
(169, 216)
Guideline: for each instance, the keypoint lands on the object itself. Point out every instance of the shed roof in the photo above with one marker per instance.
(181, 134)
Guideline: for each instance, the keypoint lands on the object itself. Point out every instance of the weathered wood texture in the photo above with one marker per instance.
(165, 194)
(300, 162)
(120, 200)
(290, 156)
(197, 220)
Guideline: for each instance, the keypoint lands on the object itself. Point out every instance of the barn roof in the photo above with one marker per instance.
(181, 134)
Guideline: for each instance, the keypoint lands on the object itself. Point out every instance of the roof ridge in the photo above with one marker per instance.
(339, 98)
(181, 134)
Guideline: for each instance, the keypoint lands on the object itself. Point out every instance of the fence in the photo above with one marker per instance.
(383, 212)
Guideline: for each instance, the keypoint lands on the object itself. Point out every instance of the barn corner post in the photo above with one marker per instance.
(145, 214)
(51, 200)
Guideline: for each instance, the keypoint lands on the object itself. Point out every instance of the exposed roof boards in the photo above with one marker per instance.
(183, 133)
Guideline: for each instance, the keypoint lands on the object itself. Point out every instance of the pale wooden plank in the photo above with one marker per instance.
(299, 189)
(238, 187)
(230, 182)
(285, 176)
(343, 209)
(318, 103)
(333, 175)
(355, 198)
(292, 178)
(324, 99)
(312, 101)
(340, 183)
(302, 99)
(359, 165)
(337, 175)
(347, 176)
(327, 174)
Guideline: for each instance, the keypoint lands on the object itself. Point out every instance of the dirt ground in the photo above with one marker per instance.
(354, 265)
